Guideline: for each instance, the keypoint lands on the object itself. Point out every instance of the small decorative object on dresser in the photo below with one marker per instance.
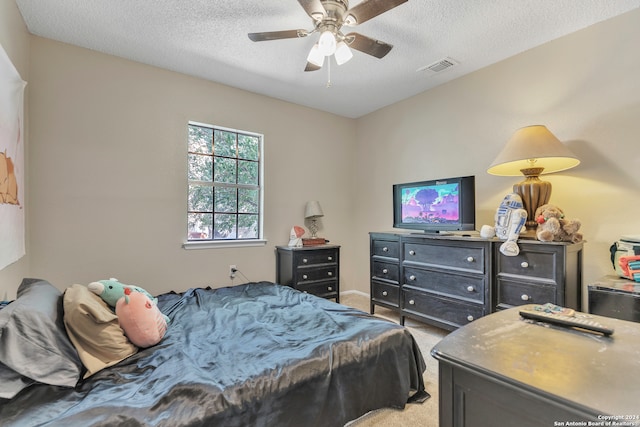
(554, 227)
(310, 269)
(509, 221)
(295, 236)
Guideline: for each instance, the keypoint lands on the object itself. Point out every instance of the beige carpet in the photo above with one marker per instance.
(415, 414)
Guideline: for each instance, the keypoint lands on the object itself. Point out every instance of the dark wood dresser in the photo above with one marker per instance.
(311, 269)
(615, 296)
(504, 371)
(449, 281)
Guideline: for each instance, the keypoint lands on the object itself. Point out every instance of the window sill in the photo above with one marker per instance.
(217, 244)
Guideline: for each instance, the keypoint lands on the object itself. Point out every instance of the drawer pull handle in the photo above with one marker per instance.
(304, 260)
(470, 318)
(304, 276)
(412, 277)
(385, 271)
(411, 302)
(470, 259)
(412, 252)
(385, 293)
(329, 273)
(330, 289)
(470, 288)
(525, 297)
(330, 258)
(385, 249)
(524, 264)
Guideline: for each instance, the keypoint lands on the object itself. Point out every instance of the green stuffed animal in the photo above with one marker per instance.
(112, 290)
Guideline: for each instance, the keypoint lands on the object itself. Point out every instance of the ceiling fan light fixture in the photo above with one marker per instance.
(315, 56)
(327, 43)
(343, 53)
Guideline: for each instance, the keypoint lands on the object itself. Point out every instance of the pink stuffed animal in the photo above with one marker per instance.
(141, 320)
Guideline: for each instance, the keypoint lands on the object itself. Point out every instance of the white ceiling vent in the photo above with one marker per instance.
(438, 66)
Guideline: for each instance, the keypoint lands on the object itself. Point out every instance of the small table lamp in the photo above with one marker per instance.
(312, 212)
(532, 151)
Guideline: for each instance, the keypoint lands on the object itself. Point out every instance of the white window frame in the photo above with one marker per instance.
(226, 243)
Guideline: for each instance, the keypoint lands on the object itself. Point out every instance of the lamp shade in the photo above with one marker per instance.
(533, 147)
(327, 43)
(313, 210)
(343, 53)
(315, 56)
(531, 151)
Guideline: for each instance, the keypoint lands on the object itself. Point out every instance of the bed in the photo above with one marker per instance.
(258, 354)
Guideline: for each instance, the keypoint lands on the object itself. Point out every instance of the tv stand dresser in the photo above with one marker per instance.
(451, 280)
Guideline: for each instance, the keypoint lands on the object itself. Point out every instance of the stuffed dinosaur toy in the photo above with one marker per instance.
(112, 290)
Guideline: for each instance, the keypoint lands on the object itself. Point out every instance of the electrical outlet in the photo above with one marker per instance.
(232, 270)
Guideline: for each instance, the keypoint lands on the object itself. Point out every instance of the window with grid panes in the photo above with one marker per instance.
(225, 189)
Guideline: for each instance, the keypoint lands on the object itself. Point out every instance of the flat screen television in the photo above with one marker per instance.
(436, 205)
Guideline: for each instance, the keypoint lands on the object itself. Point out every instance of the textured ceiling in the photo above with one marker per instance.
(208, 39)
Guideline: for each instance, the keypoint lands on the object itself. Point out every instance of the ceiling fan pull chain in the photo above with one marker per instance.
(329, 73)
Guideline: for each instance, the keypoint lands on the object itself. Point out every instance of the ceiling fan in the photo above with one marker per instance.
(328, 18)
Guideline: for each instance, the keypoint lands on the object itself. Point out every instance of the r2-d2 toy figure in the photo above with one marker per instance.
(510, 218)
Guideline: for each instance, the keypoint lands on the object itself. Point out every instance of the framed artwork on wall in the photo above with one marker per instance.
(12, 217)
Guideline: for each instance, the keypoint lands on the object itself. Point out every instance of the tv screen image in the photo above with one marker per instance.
(435, 205)
(432, 204)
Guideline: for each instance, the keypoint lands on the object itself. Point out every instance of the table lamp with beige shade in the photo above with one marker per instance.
(533, 151)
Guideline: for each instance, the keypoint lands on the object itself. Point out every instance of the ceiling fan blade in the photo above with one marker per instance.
(311, 67)
(277, 35)
(313, 8)
(367, 45)
(368, 9)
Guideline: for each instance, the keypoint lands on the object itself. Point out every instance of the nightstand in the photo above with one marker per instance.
(310, 269)
(615, 296)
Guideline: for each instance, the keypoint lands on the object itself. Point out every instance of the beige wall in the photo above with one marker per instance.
(14, 39)
(108, 171)
(585, 87)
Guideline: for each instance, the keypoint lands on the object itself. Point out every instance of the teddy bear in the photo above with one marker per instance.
(552, 225)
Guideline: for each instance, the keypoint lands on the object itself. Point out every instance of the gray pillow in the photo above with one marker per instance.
(11, 382)
(33, 339)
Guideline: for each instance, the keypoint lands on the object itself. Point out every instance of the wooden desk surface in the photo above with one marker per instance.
(583, 370)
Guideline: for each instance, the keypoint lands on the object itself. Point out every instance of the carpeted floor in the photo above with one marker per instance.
(425, 414)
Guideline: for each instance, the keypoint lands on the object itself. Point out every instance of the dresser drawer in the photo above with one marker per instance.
(529, 263)
(457, 286)
(326, 289)
(385, 293)
(316, 273)
(449, 312)
(321, 256)
(512, 293)
(468, 258)
(386, 271)
(386, 248)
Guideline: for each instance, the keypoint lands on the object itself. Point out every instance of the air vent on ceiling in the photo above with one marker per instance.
(439, 66)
